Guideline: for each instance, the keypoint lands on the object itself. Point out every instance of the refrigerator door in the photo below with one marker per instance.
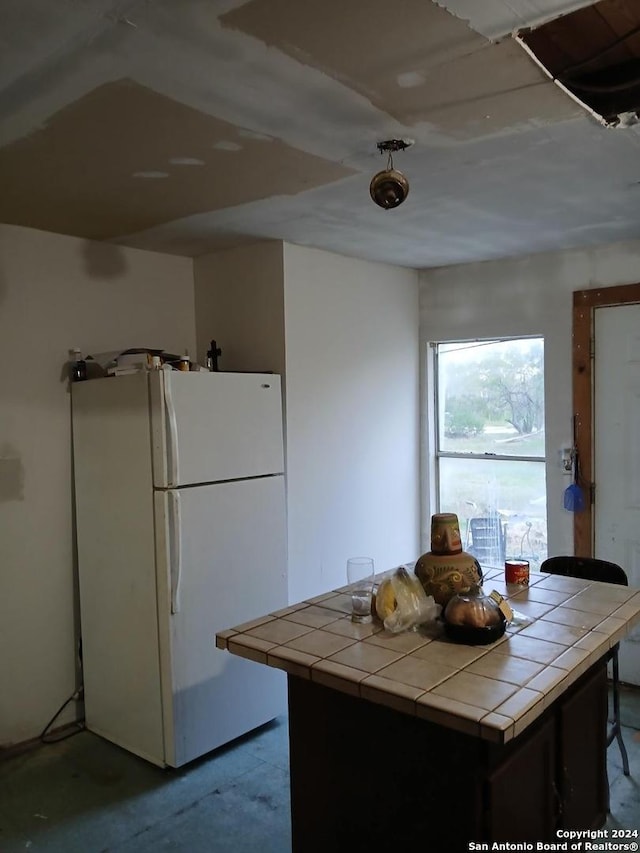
(221, 562)
(208, 427)
(117, 563)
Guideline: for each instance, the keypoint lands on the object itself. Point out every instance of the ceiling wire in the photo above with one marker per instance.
(599, 53)
(600, 87)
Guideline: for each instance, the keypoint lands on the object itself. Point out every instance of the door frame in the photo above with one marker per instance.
(583, 355)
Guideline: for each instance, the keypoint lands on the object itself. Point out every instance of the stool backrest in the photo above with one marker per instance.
(586, 568)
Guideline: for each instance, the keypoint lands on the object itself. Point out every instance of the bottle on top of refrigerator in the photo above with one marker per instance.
(78, 366)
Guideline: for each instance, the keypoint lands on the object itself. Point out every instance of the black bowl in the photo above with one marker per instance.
(475, 636)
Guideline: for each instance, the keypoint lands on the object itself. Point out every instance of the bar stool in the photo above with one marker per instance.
(592, 569)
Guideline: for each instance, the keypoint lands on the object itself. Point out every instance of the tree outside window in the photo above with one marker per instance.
(490, 454)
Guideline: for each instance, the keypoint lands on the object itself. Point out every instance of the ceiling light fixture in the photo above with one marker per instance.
(389, 188)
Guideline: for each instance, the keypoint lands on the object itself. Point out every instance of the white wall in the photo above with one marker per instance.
(240, 303)
(352, 382)
(345, 335)
(56, 293)
(525, 296)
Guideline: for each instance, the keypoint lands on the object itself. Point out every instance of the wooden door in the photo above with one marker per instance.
(582, 761)
(585, 354)
(522, 802)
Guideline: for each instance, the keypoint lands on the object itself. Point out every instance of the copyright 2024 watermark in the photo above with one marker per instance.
(571, 839)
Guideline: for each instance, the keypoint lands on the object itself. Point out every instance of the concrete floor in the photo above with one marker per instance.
(84, 794)
(625, 790)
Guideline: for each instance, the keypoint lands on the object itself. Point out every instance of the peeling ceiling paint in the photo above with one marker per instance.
(497, 18)
(187, 127)
(417, 62)
(593, 54)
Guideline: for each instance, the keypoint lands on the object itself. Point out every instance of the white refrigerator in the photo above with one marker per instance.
(180, 512)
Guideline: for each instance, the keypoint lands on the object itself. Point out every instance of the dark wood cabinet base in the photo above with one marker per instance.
(363, 774)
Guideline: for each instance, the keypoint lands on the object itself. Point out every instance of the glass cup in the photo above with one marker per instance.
(360, 574)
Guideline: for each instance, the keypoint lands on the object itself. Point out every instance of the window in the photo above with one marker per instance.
(489, 446)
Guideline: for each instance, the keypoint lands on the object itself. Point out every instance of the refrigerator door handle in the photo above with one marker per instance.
(176, 550)
(172, 434)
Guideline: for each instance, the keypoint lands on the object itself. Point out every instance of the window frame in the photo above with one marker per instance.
(431, 434)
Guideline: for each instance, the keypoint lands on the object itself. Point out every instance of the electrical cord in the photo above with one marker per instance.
(599, 53)
(79, 724)
(604, 88)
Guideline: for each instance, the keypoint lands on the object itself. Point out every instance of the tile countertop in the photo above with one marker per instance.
(493, 692)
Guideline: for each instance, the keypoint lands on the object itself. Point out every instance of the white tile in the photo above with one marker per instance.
(338, 677)
(366, 657)
(383, 691)
(475, 690)
(450, 713)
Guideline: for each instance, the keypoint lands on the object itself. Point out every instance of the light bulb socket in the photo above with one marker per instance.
(389, 188)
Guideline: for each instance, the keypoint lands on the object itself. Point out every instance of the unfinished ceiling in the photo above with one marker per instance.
(191, 126)
(594, 53)
(145, 159)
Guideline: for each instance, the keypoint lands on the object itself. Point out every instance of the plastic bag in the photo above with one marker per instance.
(520, 619)
(402, 603)
(513, 617)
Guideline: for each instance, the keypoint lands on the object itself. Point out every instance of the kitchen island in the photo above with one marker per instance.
(412, 739)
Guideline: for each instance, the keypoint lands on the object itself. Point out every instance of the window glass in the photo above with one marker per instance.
(491, 397)
(491, 447)
(509, 495)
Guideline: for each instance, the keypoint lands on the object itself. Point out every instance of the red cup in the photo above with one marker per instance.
(517, 572)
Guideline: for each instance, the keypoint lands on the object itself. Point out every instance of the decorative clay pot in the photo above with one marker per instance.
(445, 533)
(447, 570)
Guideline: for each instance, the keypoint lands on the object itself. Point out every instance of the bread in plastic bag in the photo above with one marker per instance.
(402, 604)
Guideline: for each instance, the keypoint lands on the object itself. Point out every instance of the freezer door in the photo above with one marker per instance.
(209, 427)
(222, 561)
